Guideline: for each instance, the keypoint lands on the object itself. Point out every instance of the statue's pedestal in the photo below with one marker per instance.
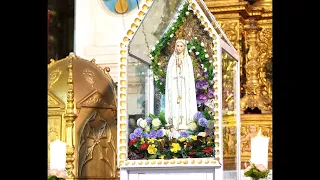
(186, 169)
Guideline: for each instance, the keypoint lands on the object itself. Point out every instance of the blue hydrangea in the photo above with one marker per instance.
(145, 135)
(148, 119)
(138, 132)
(184, 134)
(153, 134)
(198, 115)
(203, 122)
(132, 136)
(159, 133)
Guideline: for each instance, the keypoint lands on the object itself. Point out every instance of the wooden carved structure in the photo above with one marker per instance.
(82, 112)
(248, 25)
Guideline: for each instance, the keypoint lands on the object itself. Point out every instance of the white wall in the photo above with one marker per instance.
(98, 32)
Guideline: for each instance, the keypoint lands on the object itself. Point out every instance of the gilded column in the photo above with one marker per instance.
(256, 94)
(70, 117)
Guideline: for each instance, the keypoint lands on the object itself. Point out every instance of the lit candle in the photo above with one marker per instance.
(58, 155)
(259, 149)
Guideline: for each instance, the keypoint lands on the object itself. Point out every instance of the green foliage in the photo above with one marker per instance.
(162, 118)
(164, 41)
(255, 173)
(165, 148)
(54, 178)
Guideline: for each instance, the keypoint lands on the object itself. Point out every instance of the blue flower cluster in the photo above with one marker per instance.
(138, 133)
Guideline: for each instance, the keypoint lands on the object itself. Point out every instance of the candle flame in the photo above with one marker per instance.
(259, 133)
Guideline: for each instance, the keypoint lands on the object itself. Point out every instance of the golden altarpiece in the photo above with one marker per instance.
(143, 56)
(82, 112)
(248, 26)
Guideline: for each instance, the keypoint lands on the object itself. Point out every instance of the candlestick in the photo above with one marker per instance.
(58, 155)
(259, 149)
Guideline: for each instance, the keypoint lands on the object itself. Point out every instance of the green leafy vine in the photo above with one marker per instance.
(165, 40)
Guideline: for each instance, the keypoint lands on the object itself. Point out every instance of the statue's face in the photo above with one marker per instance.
(179, 47)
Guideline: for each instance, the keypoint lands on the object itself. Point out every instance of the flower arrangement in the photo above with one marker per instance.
(151, 139)
(256, 172)
(55, 174)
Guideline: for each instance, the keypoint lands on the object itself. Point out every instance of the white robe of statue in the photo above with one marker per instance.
(180, 93)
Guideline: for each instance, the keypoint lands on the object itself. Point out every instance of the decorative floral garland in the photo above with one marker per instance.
(159, 73)
(203, 76)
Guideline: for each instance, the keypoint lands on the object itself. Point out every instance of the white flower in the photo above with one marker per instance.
(157, 41)
(156, 78)
(171, 35)
(202, 44)
(187, 42)
(197, 53)
(205, 50)
(190, 50)
(156, 123)
(193, 47)
(210, 61)
(187, 13)
(201, 65)
(192, 126)
(138, 121)
(205, 69)
(151, 57)
(153, 48)
(206, 55)
(195, 38)
(203, 134)
(172, 28)
(143, 123)
(147, 128)
(159, 64)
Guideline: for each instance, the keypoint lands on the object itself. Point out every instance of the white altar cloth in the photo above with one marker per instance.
(176, 169)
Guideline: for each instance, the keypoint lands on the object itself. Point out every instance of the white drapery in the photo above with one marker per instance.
(180, 82)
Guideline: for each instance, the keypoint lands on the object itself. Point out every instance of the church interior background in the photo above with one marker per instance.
(84, 38)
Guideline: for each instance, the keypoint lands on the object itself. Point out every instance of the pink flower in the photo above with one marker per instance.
(261, 168)
(58, 173)
(53, 172)
(62, 174)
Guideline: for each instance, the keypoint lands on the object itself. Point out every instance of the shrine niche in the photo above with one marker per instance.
(82, 112)
(150, 133)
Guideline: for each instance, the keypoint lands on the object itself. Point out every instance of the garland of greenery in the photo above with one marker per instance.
(203, 75)
(193, 45)
(166, 39)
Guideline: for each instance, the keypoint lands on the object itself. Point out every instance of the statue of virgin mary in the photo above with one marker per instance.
(180, 93)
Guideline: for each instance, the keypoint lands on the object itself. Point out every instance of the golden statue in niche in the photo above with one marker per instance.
(82, 113)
